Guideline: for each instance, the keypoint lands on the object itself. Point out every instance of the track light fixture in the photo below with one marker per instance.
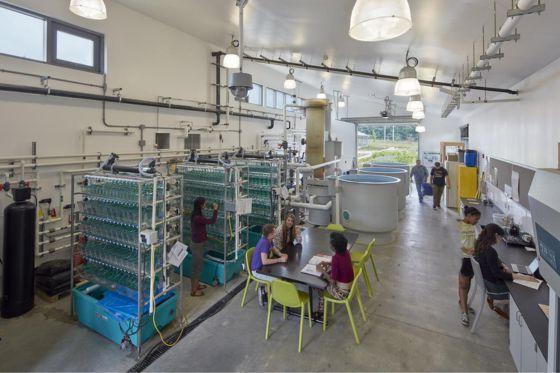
(408, 84)
(91, 9)
(290, 82)
(375, 20)
(231, 59)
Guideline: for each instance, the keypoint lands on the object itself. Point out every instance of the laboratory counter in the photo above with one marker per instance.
(526, 299)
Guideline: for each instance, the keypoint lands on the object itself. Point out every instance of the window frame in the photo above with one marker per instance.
(261, 101)
(52, 26)
(274, 98)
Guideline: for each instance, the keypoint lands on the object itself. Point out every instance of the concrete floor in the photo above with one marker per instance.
(413, 324)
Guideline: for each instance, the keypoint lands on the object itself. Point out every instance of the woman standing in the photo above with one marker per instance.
(286, 234)
(198, 238)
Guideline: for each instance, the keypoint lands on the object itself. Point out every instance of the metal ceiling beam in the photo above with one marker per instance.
(398, 119)
(366, 74)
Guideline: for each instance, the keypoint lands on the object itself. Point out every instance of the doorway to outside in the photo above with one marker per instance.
(387, 143)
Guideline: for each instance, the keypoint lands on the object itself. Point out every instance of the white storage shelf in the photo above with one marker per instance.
(524, 350)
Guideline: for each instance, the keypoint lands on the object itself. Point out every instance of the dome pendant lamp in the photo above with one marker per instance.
(420, 129)
(376, 20)
(415, 104)
(408, 84)
(91, 9)
(322, 95)
(231, 59)
(418, 115)
(290, 82)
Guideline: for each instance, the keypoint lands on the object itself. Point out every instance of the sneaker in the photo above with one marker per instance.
(435, 208)
(465, 319)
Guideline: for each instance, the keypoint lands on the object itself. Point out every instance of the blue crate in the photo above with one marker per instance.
(233, 268)
(113, 325)
(208, 274)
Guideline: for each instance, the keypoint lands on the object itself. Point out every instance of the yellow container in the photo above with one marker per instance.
(468, 182)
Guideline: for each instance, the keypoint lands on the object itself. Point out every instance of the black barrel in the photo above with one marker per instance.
(19, 258)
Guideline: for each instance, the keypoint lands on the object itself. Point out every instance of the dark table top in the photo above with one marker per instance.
(526, 299)
(314, 241)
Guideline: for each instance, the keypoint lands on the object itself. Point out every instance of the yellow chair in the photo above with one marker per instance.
(287, 295)
(354, 291)
(250, 277)
(335, 228)
(360, 258)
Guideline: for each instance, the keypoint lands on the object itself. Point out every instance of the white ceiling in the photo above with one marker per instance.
(442, 36)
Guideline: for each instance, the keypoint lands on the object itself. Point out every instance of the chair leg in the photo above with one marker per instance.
(482, 300)
(332, 308)
(361, 305)
(373, 265)
(256, 286)
(245, 291)
(352, 323)
(325, 314)
(368, 282)
(268, 318)
(301, 317)
(283, 312)
(309, 314)
(472, 296)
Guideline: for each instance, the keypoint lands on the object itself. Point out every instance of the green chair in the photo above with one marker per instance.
(286, 294)
(335, 228)
(354, 291)
(360, 259)
(250, 277)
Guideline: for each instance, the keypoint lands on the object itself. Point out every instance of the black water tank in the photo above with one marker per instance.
(19, 255)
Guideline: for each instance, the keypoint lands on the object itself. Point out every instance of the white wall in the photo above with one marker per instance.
(437, 130)
(526, 132)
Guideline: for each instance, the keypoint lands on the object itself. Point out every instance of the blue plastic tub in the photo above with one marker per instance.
(213, 271)
(93, 310)
(471, 158)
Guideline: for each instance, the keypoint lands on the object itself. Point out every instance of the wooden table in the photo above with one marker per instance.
(314, 241)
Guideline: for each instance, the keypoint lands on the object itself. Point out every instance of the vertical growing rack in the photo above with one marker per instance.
(225, 185)
(127, 226)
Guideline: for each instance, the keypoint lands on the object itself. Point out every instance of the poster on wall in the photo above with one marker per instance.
(515, 185)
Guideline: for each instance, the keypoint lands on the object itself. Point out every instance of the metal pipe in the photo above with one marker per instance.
(48, 77)
(285, 129)
(218, 88)
(312, 206)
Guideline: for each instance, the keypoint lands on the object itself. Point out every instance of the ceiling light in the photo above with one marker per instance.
(420, 129)
(375, 20)
(231, 59)
(290, 82)
(415, 104)
(322, 95)
(91, 9)
(341, 101)
(418, 115)
(408, 84)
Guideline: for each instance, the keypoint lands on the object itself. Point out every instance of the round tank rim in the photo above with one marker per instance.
(388, 170)
(389, 164)
(373, 179)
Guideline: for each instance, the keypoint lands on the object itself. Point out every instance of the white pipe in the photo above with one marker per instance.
(308, 169)
(58, 238)
(337, 201)
(52, 251)
(285, 130)
(312, 205)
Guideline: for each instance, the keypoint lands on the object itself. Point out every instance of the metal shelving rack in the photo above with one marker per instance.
(112, 212)
(265, 182)
(225, 185)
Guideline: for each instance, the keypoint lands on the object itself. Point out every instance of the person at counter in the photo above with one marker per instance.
(494, 271)
(286, 234)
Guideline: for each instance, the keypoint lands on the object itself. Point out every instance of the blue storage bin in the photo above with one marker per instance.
(233, 268)
(427, 189)
(88, 303)
(208, 274)
(471, 158)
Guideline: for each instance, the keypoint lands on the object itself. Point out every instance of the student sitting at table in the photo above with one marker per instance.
(287, 234)
(260, 256)
(494, 272)
(339, 273)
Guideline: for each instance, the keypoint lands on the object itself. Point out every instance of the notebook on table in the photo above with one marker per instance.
(311, 267)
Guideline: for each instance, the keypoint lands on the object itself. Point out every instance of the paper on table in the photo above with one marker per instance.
(530, 284)
(545, 308)
(320, 258)
(530, 249)
(311, 269)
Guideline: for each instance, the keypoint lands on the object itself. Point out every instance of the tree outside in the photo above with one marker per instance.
(398, 143)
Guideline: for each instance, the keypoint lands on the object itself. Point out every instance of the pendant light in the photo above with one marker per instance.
(418, 115)
(408, 84)
(415, 103)
(322, 95)
(290, 82)
(420, 129)
(231, 59)
(91, 9)
(341, 102)
(375, 20)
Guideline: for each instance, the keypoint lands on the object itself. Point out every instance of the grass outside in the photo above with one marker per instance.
(389, 151)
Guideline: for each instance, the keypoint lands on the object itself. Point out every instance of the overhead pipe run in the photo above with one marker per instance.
(365, 74)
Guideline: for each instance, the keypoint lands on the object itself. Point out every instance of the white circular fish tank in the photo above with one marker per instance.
(369, 203)
(395, 165)
(399, 173)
